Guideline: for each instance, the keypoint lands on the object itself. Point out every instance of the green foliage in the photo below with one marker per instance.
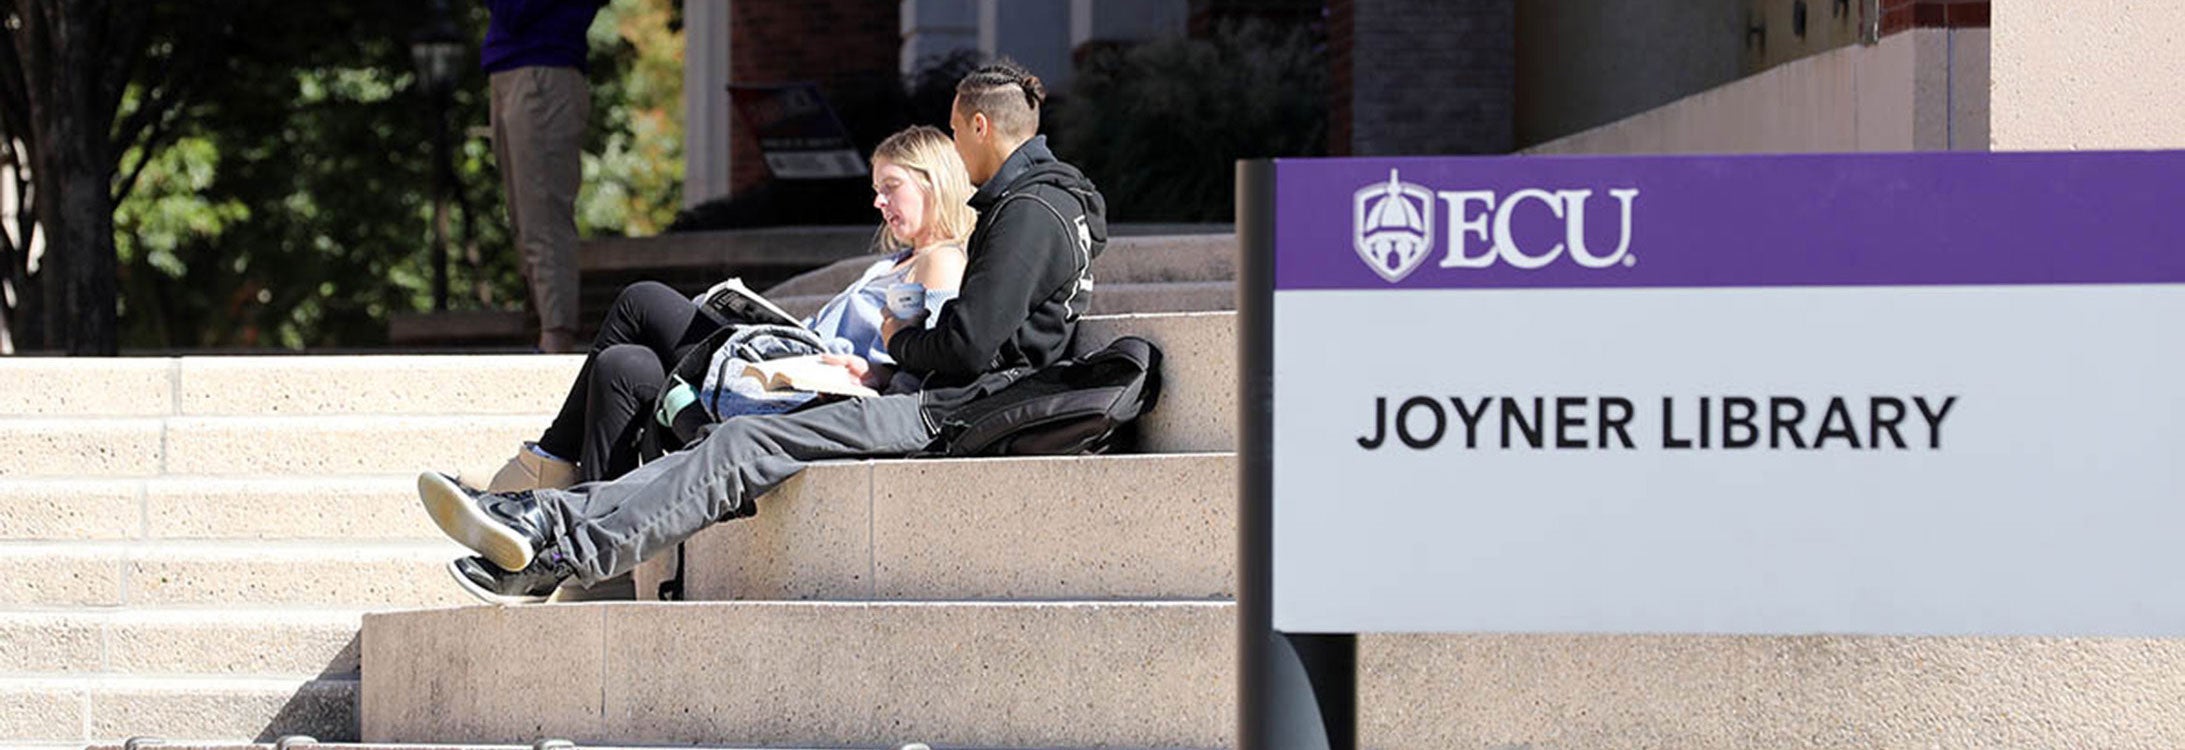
(633, 163)
(1160, 126)
(295, 210)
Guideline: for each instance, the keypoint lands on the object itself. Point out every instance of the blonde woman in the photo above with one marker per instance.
(923, 194)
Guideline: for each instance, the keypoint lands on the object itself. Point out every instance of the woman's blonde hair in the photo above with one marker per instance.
(931, 157)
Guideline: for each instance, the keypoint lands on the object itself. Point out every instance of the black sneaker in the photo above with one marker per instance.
(485, 580)
(510, 530)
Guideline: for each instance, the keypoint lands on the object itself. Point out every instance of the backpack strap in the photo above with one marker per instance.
(1081, 238)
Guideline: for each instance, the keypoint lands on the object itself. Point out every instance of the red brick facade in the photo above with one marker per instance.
(1342, 27)
(1904, 15)
(835, 43)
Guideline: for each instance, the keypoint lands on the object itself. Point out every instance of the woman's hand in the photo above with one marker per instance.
(889, 324)
(866, 372)
(855, 364)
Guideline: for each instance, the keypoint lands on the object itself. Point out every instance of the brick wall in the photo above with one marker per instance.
(1901, 15)
(846, 46)
(1340, 31)
(1205, 15)
(1422, 76)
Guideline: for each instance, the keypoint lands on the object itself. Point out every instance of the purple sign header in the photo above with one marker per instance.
(1804, 220)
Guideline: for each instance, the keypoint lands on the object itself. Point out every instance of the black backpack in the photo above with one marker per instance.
(1085, 405)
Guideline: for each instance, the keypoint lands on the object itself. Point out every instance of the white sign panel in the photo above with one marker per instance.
(1779, 395)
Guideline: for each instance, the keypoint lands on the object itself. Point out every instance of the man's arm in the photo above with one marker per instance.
(1016, 266)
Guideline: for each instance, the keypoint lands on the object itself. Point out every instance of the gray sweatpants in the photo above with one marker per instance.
(607, 528)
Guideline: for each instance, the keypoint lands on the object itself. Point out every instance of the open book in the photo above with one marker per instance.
(806, 373)
(736, 303)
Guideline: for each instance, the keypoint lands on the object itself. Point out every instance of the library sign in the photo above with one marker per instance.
(1921, 394)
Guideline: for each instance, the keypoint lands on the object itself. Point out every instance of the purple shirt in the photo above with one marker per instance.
(537, 33)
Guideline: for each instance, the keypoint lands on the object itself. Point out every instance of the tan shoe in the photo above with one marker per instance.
(528, 470)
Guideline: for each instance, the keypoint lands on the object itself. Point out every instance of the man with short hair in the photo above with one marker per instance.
(1026, 281)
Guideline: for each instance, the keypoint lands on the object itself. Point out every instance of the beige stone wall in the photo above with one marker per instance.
(1919, 90)
(2102, 75)
(1585, 63)
(1710, 692)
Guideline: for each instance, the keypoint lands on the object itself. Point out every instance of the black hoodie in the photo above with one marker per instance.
(1027, 274)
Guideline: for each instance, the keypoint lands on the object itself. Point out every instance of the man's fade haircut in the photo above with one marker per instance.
(1007, 94)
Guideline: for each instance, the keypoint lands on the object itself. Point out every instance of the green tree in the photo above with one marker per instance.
(304, 219)
(633, 164)
(295, 210)
(90, 92)
(1160, 126)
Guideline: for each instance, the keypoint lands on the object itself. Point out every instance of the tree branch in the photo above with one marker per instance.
(128, 53)
(161, 130)
(14, 106)
(157, 114)
(33, 42)
(15, 248)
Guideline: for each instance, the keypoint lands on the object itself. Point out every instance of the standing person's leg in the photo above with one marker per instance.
(504, 88)
(569, 111)
(595, 531)
(514, 150)
(540, 115)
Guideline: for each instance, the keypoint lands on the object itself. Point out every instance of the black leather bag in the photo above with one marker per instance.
(1090, 404)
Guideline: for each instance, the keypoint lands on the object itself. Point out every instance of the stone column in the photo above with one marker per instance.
(706, 117)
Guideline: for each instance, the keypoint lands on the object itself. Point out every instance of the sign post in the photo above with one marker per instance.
(1908, 394)
(1294, 691)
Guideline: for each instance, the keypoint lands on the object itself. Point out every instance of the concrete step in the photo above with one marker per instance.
(1127, 260)
(1164, 297)
(479, 384)
(832, 675)
(414, 425)
(285, 385)
(70, 447)
(361, 507)
(1726, 692)
(1095, 528)
(1143, 675)
(261, 446)
(216, 642)
(1166, 258)
(85, 386)
(1198, 408)
(351, 575)
(107, 709)
(232, 745)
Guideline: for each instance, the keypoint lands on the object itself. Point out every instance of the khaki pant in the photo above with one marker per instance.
(539, 115)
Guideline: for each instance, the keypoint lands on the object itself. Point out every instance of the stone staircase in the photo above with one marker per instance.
(194, 542)
(191, 544)
(1009, 602)
(228, 549)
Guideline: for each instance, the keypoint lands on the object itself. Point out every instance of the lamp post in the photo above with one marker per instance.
(436, 50)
